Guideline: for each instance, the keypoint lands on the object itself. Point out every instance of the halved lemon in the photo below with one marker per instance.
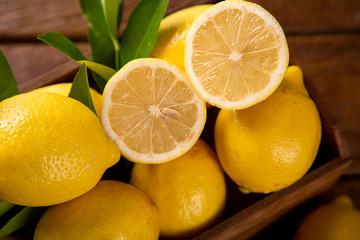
(151, 111)
(236, 54)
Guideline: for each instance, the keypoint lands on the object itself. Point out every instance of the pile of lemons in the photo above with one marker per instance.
(232, 55)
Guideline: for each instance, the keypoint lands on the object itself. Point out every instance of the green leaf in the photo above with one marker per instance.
(102, 50)
(25, 216)
(80, 89)
(102, 70)
(140, 35)
(100, 81)
(120, 12)
(111, 8)
(5, 207)
(7, 80)
(94, 12)
(103, 17)
(63, 44)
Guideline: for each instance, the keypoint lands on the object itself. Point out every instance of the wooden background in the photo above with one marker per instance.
(324, 35)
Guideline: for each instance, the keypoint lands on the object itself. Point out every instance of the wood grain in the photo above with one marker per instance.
(319, 16)
(22, 20)
(30, 60)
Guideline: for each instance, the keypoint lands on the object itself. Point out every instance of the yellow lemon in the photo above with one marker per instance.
(170, 44)
(189, 192)
(53, 149)
(152, 112)
(333, 221)
(236, 54)
(272, 144)
(111, 210)
(64, 89)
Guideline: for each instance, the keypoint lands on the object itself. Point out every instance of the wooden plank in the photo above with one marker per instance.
(319, 16)
(23, 20)
(58, 18)
(29, 60)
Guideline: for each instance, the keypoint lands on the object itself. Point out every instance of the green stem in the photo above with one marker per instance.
(117, 54)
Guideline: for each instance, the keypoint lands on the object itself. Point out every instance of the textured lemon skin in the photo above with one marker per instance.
(53, 149)
(111, 210)
(64, 89)
(189, 192)
(170, 44)
(272, 144)
(333, 221)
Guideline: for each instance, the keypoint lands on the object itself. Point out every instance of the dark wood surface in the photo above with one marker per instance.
(324, 35)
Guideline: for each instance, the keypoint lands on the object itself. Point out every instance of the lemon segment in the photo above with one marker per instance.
(152, 112)
(236, 54)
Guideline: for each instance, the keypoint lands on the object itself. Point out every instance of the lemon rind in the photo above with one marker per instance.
(182, 147)
(277, 76)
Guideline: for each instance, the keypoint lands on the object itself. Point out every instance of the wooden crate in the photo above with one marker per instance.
(245, 215)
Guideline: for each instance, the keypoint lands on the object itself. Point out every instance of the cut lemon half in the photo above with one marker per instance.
(151, 111)
(236, 54)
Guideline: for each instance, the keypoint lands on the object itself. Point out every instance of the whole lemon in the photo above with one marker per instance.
(333, 221)
(111, 210)
(173, 29)
(64, 89)
(53, 149)
(272, 144)
(189, 192)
